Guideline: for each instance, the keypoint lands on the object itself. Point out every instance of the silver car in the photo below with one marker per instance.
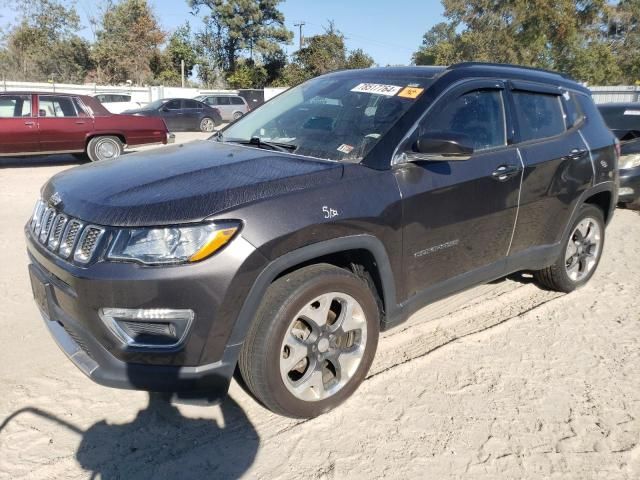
(231, 107)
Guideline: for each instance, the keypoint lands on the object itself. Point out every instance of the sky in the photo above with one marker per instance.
(387, 31)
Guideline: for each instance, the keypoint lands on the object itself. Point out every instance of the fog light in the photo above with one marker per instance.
(625, 191)
(148, 328)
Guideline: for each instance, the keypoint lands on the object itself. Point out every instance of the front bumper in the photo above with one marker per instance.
(629, 185)
(70, 297)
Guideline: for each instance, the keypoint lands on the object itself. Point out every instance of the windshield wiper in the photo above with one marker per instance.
(258, 142)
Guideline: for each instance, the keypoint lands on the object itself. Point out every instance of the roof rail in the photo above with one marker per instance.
(508, 65)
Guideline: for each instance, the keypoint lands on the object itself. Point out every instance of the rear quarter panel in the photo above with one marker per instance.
(136, 130)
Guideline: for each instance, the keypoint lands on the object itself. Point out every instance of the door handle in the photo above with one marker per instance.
(79, 122)
(505, 172)
(576, 154)
(30, 124)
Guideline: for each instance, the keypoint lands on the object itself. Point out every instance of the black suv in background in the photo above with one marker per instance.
(624, 120)
(288, 241)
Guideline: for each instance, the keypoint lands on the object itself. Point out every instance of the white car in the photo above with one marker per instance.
(117, 102)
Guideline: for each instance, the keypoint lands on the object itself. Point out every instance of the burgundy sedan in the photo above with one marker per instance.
(46, 123)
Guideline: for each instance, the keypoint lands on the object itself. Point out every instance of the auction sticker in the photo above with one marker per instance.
(411, 92)
(377, 89)
(344, 148)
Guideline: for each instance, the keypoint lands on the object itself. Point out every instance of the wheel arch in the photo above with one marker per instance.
(603, 196)
(118, 135)
(365, 255)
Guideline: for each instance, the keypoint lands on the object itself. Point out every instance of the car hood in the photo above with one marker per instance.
(182, 183)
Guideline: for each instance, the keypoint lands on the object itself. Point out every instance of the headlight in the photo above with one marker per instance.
(630, 161)
(171, 245)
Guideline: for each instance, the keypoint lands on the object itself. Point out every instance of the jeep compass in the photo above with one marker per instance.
(283, 245)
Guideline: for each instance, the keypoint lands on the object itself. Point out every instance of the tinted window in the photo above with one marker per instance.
(479, 115)
(173, 105)
(224, 101)
(539, 115)
(123, 98)
(53, 106)
(15, 106)
(79, 107)
(237, 101)
(191, 104)
(210, 101)
(574, 110)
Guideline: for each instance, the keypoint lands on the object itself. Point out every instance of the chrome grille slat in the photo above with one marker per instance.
(66, 236)
(47, 223)
(69, 238)
(88, 243)
(56, 231)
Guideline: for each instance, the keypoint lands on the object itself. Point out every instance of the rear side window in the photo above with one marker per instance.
(539, 115)
(15, 106)
(237, 101)
(478, 114)
(53, 106)
(575, 115)
(192, 104)
(224, 101)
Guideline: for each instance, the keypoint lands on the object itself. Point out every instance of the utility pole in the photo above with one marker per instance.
(300, 25)
(182, 71)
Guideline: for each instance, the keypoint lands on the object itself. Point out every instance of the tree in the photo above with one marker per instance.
(322, 54)
(236, 29)
(559, 34)
(166, 66)
(43, 45)
(622, 33)
(127, 39)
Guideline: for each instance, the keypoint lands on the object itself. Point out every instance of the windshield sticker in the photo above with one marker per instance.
(377, 89)
(411, 92)
(344, 148)
(632, 112)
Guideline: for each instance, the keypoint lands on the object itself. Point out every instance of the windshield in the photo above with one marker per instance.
(337, 117)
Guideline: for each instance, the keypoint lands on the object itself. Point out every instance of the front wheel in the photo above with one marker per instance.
(581, 253)
(207, 125)
(312, 342)
(104, 148)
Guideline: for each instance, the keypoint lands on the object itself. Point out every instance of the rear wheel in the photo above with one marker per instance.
(581, 253)
(237, 116)
(104, 148)
(313, 341)
(207, 125)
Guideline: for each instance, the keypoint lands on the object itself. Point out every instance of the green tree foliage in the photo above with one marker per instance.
(623, 35)
(564, 35)
(321, 54)
(166, 66)
(237, 30)
(127, 40)
(43, 45)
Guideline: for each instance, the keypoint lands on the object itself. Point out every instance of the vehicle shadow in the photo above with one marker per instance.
(40, 161)
(161, 443)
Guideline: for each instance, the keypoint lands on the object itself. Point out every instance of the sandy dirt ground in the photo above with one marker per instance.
(503, 381)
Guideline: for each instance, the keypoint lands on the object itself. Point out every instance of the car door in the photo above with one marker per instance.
(225, 108)
(459, 216)
(172, 114)
(557, 164)
(18, 126)
(63, 124)
(193, 114)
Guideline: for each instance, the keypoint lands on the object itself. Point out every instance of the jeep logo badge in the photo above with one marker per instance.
(55, 199)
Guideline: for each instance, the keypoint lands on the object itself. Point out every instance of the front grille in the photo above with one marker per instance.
(65, 236)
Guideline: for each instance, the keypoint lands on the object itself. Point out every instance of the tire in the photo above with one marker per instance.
(104, 148)
(207, 125)
(571, 272)
(267, 361)
(237, 116)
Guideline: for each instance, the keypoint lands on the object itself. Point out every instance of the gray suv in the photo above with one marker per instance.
(231, 107)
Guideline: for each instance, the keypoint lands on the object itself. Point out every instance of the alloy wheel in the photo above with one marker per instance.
(323, 346)
(583, 249)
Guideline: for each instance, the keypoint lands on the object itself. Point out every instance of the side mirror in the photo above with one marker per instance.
(441, 147)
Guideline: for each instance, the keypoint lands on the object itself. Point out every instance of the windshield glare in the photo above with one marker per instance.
(335, 118)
